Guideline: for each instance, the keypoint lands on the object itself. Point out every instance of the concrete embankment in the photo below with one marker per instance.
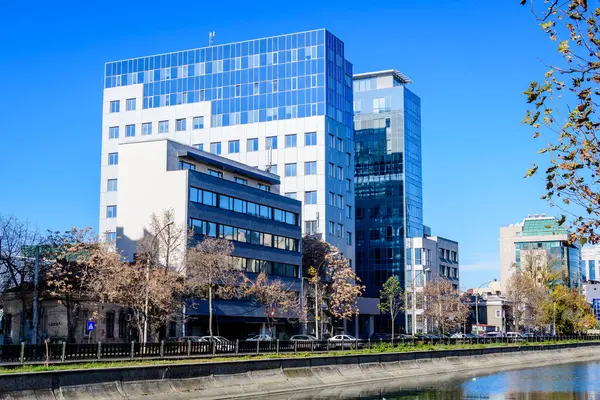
(263, 377)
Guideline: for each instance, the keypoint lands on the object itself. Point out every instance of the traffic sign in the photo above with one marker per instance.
(91, 325)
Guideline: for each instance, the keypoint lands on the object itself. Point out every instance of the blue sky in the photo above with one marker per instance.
(470, 61)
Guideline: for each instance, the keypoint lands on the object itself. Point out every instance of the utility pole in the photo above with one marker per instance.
(36, 274)
(316, 312)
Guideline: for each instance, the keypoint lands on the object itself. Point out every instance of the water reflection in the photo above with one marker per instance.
(560, 382)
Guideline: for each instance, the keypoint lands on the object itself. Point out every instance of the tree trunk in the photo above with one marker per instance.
(393, 319)
(210, 310)
(70, 330)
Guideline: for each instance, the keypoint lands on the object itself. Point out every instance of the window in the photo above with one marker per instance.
(163, 127)
(310, 139)
(113, 132)
(271, 142)
(111, 185)
(310, 168)
(340, 173)
(130, 104)
(198, 123)
(348, 159)
(418, 257)
(111, 211)
(290, 169)
(331, 141)
(348, 185)
(111, 237)
(339, 201)
(252, 144)
(498, 314)
(348, 211)
(310, 227)
(272, 169)
(215, 148)
(180, 124)
(349, 238)
(340, 229)
(330, 228)
(331, 199)
(234, 146)
(129, 130)
(340, 143)
(240, 180)
(147, 128)
(290, 140)
(186, 165)
(332, 170)
(200, 146)
(266, 188)
(110, 320)
(113, 158)
(310, 197)
(218, 174)
(115, 106)
(291, 195)
(379, 104)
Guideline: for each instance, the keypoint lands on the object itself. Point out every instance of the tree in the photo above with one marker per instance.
(332, 280)
(209, 272)
(75, 264)
(527, 298)
(542, 269)
(563, 111)
(443, 304)
(569, 309)
(273, 296)
(391, 299)
(16, 269)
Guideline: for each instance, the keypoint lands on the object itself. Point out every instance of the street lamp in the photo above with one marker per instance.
(477, 302)
(554, 313)
(148, 282)
(414, 298)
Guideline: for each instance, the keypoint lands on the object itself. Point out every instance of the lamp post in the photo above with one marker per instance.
(477, 302)
(554, 313)
(148, 282)
(414, 299)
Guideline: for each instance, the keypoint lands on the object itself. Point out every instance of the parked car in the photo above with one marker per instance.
(458, 335)
(513, 335)
(193, 339)
(494, 334)
(381, 336)
(302, 338)
(345, 341)
(217, 339)
(402, 336)
(261, 337)
(221, 343)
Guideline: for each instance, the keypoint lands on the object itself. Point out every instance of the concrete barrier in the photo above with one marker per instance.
(258, 377)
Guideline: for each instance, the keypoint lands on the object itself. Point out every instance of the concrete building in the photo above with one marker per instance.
(539, 234)
(590, 258)
(489, 309)
(389, 209)
(281, 103)
(427, 258)
(216, 197)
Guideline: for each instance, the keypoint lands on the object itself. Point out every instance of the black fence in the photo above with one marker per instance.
(67, 352)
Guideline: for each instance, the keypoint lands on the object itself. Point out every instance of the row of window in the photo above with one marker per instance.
(219, 174)
(242, 206)
(338, 230)
(337, 200)
(243, 235)
(448, 271)
(163, 127)
(115, 106)
(266, 267)
(449, 255)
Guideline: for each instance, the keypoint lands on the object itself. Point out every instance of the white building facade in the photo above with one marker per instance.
(590, 258)
(282, 104)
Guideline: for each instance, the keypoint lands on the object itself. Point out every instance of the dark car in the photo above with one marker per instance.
(381, 336)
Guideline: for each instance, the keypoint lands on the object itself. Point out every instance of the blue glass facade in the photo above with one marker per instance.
(388, 183)
(566, 257)
(282, 77)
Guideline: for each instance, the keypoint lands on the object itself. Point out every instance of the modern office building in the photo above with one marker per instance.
(427, 258)
(590, 258)
(282, 104)
(216, 197)
(542, 235)
(389, 208)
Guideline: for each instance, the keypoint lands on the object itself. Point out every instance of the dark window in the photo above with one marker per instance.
(123, 325)
(110, 325)
(172, 329)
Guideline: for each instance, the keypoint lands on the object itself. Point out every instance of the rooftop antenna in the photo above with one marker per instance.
(211, 38)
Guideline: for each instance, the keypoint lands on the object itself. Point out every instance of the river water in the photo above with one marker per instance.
(559, 382)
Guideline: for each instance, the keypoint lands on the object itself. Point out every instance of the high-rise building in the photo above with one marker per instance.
(539, 238)
(590, 258)
(389, 207)
(281, 103)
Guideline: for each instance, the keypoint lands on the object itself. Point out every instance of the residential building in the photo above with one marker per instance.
(389, 207)
(489, 309)
(216, 197)
(427, 258)
(590, 258)
(281, 104)
(539, 234)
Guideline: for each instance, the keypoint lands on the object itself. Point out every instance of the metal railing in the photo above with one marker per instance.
(70, 352)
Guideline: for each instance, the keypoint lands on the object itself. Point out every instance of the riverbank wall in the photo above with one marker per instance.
(237, 379)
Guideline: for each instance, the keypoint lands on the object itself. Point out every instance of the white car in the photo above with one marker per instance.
(347, 341)
(458, 335)
(261, 337)
(302, 338)
(217, 339)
